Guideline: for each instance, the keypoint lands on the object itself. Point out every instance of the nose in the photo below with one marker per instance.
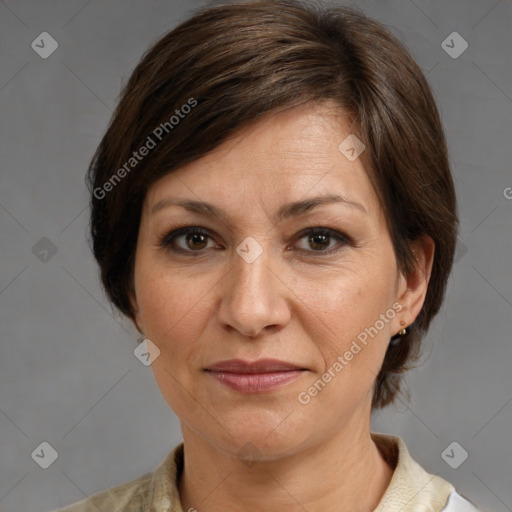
(254, 297)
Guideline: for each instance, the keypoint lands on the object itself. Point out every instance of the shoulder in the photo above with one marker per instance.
(131, 496)
(157, 490)
(411, 487)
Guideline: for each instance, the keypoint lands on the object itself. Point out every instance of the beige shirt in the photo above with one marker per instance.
(411, 489)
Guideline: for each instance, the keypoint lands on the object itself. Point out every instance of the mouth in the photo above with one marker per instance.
(255, 377)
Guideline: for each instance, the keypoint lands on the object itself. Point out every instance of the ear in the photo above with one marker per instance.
(136, 313)
(412, 288)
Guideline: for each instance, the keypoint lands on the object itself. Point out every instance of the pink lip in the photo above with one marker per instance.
(255, 377)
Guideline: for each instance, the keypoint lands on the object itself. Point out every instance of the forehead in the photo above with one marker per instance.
(282, 157)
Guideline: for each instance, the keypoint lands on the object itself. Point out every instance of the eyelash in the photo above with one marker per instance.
(167, 241)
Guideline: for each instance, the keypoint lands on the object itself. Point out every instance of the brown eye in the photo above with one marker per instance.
(187, 240)
(321, 240)
(196, 240)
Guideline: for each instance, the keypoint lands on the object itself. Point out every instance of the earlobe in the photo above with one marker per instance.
(415, 284)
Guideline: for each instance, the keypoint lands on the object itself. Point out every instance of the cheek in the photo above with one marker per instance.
(342, 314)
(165, 296)
(344, 303)
(172, 309)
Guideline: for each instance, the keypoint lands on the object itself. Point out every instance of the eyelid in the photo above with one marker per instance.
(166, 241)
(342, 239)
(168, 238)
(321, 229)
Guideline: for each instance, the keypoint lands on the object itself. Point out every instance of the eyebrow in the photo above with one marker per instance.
(285, 212)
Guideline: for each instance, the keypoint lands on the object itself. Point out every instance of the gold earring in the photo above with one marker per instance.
(402, 331)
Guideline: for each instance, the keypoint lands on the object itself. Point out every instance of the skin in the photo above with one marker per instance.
(294, 303)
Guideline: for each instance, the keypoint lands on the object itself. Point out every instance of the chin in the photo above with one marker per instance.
(268, 435)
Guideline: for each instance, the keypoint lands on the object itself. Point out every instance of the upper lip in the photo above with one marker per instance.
(259, 366)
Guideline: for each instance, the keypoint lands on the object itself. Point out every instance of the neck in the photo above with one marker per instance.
(347, 472)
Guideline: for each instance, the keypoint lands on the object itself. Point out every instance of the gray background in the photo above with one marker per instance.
(68, 375)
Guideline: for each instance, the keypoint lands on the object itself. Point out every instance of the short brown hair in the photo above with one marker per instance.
(234, 63)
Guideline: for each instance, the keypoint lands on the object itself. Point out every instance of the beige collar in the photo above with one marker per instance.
(411, 489)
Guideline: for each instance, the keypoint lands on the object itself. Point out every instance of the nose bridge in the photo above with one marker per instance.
(252, 298)
(250, 280)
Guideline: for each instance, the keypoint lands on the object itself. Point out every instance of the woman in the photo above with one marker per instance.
(272, 206)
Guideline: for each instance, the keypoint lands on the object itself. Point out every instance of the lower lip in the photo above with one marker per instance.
(256, 382)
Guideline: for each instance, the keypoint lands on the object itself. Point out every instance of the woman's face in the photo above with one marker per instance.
(259, 284)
